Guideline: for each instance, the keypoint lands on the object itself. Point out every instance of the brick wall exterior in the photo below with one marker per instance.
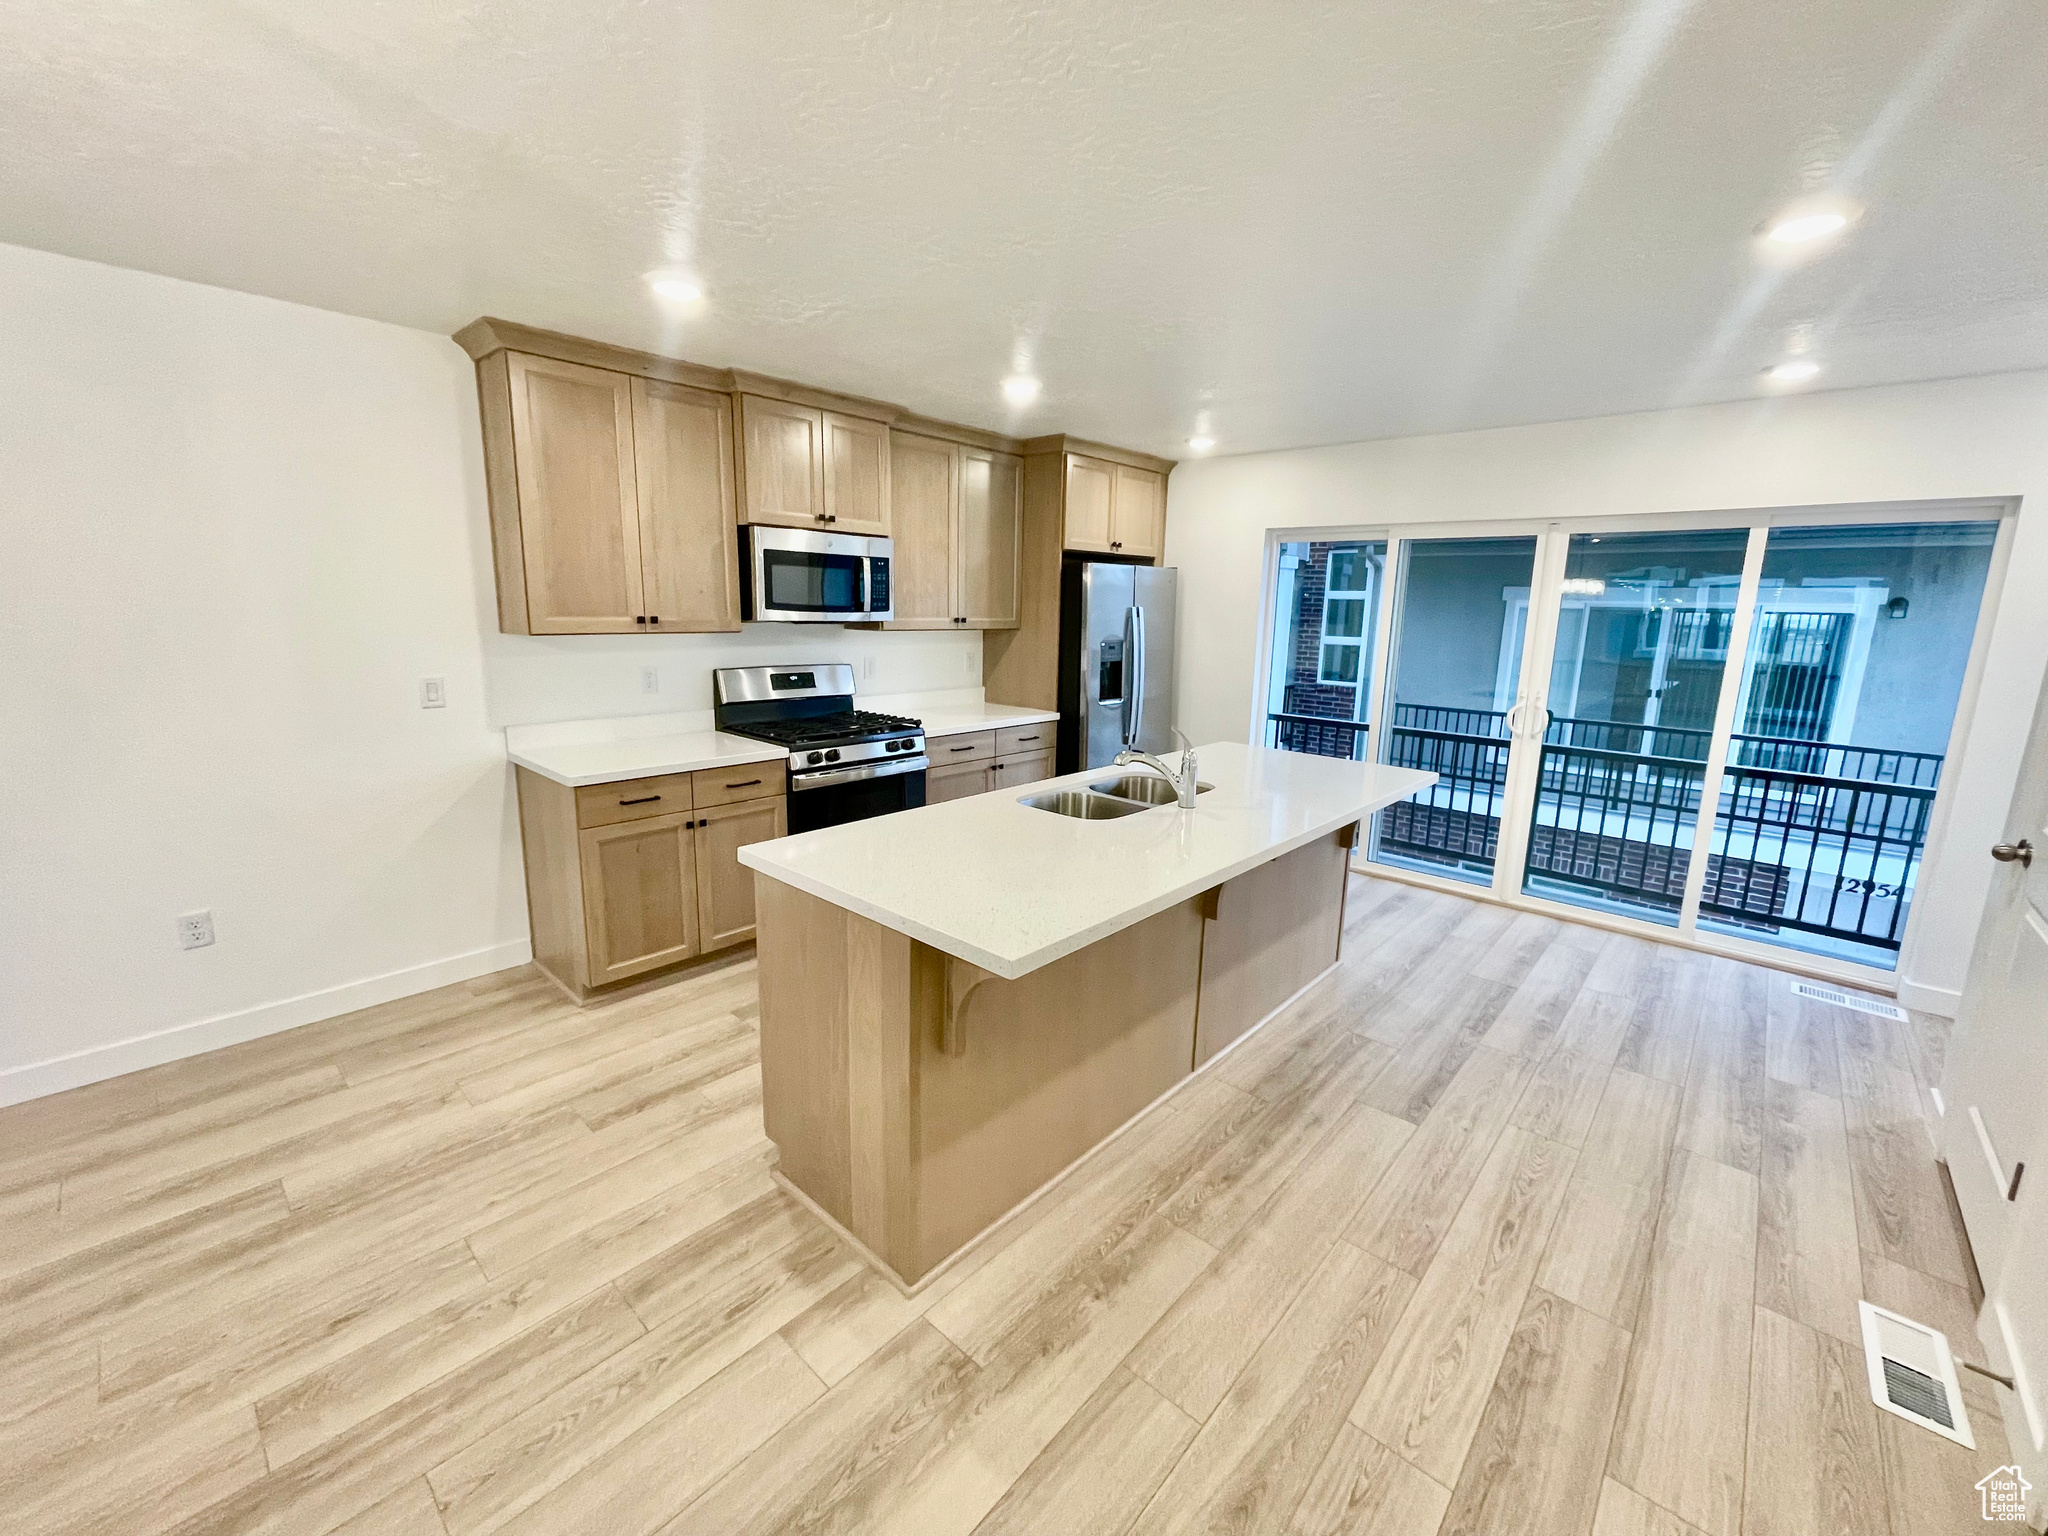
(1306, 696)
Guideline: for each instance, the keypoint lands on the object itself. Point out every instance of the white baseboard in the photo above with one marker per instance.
(38, 1078)
(1945, 1001)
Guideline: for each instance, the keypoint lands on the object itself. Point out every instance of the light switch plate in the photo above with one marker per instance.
(433, 693)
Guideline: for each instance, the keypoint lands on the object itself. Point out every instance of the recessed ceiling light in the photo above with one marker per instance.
(675, 287)
(1797, 371)
(1020, 389)
(1202, 443)
(1799, 228)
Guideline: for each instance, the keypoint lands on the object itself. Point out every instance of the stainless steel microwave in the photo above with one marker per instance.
(794, 576)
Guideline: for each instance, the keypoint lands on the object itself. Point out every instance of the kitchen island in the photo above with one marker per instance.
(961, 1001)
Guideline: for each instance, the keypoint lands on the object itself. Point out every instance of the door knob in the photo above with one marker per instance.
(2020, 853)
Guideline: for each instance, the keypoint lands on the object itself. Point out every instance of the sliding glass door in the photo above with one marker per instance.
(1737, 732)
(1456, 670)
(1854, 668)
(1643, 622)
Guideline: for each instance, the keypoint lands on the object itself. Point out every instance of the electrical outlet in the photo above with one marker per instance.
(195, 929)
(867, 667)
(650, 679)
(433, 694)
(970, 665)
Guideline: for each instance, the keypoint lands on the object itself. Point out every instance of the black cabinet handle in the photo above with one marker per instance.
(643, 800)
(639, 618)
(1021, 740)
(2013, 1190)
(961, 749)
(743, 784)
(654, 618)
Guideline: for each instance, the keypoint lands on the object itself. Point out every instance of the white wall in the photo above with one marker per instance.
(1984, 437)
(234, 534)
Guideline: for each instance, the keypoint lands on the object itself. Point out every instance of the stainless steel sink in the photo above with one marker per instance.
(1146, 787)
(1081, 805)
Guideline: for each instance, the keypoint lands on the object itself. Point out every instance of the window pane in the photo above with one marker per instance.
(1344, 618)
(1855, 665)
(1322, 647)
(1642, 643)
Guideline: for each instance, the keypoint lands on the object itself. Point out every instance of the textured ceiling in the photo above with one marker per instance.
(1312, 222)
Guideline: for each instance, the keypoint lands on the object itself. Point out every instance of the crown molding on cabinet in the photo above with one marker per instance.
(483, 337)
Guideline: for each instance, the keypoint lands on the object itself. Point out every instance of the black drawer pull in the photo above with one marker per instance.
(744, 784)
(643, 800)
(968, 748)
(1022, 739)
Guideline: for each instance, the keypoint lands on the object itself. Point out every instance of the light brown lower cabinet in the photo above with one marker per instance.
(1012, 772)
(956, 781)
(627, 878)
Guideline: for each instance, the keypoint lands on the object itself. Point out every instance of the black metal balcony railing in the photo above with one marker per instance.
(1823, 838)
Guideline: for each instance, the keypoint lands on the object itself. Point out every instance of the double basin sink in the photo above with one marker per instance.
(1111, 798)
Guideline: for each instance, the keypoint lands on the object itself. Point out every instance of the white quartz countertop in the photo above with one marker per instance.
(1010, 888)
(955, 720)
(605, 762)
(603, 752)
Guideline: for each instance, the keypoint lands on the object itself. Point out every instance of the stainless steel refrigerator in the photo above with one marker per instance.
(1116, 660)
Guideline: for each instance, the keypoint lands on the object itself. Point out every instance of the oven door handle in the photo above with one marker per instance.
(887, 768)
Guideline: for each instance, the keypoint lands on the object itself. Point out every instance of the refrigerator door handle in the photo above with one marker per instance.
(1134, 729)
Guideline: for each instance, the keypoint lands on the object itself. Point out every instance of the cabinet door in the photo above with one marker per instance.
(924, 482)
(956, 781)
(689, 511)
(783, 447)
(1013, 772)
(856, 474)
(725, 886)
(1138, 513)
(991, 496)
(579, 510)
(639, 896)
(1091, 486)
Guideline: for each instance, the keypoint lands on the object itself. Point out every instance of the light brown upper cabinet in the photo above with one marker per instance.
(987, 535)
(689, 522)
(1114, 509)
(955, 521)
(612, 500)
(810, 468)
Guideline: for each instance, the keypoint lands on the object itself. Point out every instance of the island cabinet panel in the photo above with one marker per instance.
(915, 1099)
(639, 895)
(725, 887)
(1268, 934)
(1046, 1067)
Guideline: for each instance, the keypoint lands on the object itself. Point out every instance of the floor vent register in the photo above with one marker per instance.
(1913, 1374)
(1841, 999)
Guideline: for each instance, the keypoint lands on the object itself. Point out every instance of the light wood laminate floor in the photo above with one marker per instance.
(1510, 1226)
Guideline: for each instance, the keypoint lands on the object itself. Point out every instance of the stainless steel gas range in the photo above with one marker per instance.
(844, 763)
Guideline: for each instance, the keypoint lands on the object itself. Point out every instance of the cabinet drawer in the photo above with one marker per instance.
(600, 805)
(972, 747)
(1012, 739)
(748, 781)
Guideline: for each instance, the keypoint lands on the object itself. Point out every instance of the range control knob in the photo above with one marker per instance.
(815, 757)
(905, 746)
(832, 755)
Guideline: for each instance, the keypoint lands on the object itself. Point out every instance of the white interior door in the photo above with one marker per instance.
(1995, 1127)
